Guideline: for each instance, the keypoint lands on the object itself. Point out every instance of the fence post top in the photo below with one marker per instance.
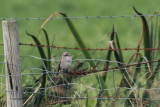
(10, 21)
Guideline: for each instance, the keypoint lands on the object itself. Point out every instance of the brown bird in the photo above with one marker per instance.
(65, 62)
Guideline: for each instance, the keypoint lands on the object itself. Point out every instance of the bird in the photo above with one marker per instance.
(65, 62)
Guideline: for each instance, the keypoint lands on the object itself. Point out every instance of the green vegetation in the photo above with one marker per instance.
(93, 33)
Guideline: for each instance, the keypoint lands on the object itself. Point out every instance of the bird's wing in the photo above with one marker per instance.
(59, 65)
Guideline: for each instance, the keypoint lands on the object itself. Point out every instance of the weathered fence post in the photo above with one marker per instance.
(12, 59)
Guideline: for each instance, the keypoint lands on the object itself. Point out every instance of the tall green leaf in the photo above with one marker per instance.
(41, 51)
(108, 58)
(126, 81)
(78, 38)
(146, 36)
(48, 50)
(119, 47)
(43, 78)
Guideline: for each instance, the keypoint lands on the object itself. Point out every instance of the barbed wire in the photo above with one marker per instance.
(79, 72)
(98, 49)
(50, 72)
(84, 17)
(89, 49)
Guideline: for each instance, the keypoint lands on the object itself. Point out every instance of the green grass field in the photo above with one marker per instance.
(94, 32)
(126, 27)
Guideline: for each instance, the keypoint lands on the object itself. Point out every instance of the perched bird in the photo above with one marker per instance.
(65, 62)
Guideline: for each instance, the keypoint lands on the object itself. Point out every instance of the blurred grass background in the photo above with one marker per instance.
(95, 28)
(91, 30)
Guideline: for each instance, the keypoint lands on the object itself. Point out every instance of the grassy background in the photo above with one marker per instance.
(126, 27)
(91, 30)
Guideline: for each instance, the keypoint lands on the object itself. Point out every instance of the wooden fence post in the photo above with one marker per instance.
(12, 59)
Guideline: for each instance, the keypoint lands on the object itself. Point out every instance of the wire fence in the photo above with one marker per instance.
(75, 90)
(83, 84)
(87, 72)
(97, 49)
(85, 17)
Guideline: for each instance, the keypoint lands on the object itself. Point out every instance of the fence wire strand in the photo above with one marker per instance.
(109, 69)
(89, 49)
(85, 17)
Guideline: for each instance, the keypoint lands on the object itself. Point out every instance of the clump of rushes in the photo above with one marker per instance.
(47, 64)
(149, 41)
